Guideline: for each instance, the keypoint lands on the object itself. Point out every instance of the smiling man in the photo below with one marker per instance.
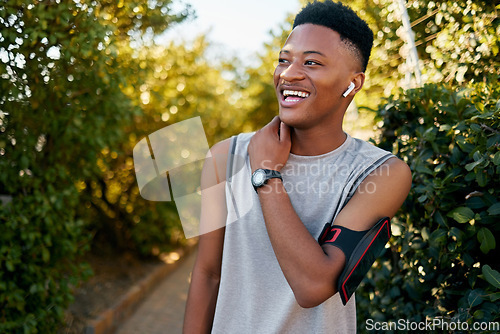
(267, 272)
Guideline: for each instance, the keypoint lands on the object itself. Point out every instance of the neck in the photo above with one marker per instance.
(309, 143)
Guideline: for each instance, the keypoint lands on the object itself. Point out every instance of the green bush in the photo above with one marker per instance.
(60, 105)
(443, 259)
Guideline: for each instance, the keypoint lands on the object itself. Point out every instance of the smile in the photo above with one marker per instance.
(288, 93)
(292, 97)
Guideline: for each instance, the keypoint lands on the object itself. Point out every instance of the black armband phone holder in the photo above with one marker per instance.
(361, 248)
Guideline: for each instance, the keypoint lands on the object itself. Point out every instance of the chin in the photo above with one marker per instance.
(294, 122)
(293, 119)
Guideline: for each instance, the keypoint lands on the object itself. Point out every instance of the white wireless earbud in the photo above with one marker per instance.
(349, 89)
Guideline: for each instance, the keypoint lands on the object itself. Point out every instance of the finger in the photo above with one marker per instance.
(284, 132)
(275, 123)
(273, 126)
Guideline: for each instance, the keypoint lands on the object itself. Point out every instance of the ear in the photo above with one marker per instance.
(358, 79)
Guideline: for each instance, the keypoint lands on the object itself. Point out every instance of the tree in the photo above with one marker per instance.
(61, 106)
(457, 43)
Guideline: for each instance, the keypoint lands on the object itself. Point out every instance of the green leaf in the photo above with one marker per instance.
(470, 176)
(438, 217)
(491, 275)
(422, 198)
(475, 128)
(45, 255)
(481, 178)
(452, 247)
(494, 209)
(457, 233)
(24, 162)
(493, 141)
(462, 214)
(430, 134)
(438, 236)
(424, 170)
(496, 158)
(439, 167)
(472, 165)
(495, 296)
(477, 156)
(475, 202)
(475, 298)
(486, 239)
(479, 314)
(395, 292)
(425, 234)
(464, 145)
(33, 289)
(9, 265)
(469, 261)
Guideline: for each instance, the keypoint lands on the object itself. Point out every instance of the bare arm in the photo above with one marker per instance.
(310, 269)
(204, 287)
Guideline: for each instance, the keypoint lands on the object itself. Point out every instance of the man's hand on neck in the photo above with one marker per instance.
(270, 147)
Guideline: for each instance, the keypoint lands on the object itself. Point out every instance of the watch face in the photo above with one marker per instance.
(258, 178)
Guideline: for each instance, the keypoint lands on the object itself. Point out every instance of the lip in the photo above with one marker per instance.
(293, 102)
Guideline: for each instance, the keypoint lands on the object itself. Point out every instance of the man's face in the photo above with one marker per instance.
(314, 69)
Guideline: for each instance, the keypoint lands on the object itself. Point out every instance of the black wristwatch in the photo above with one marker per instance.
(261, 176)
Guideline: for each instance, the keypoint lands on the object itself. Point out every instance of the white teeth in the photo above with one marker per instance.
(295, 92)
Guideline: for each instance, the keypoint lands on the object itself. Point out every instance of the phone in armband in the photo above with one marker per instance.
(361, 249)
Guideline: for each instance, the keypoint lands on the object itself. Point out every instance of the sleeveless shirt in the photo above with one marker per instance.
(254, 296)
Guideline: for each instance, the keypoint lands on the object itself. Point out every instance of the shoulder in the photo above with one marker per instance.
(221, 147)
(380, 194)
(215, 164)
(230, 148)
(390, 173)
(390, 182)
(368, 152)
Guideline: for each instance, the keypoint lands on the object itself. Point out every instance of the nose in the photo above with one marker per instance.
(292, 72)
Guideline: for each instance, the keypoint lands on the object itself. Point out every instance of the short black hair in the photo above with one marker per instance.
(342, 19)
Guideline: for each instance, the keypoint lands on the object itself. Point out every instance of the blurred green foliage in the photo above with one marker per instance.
(64, 116)
(457, 42)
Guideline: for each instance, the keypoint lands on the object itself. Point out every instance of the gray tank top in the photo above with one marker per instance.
(254, 296)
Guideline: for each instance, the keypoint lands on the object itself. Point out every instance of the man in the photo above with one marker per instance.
(266, 272)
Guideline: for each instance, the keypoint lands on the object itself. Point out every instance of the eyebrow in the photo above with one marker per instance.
(306, 52)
